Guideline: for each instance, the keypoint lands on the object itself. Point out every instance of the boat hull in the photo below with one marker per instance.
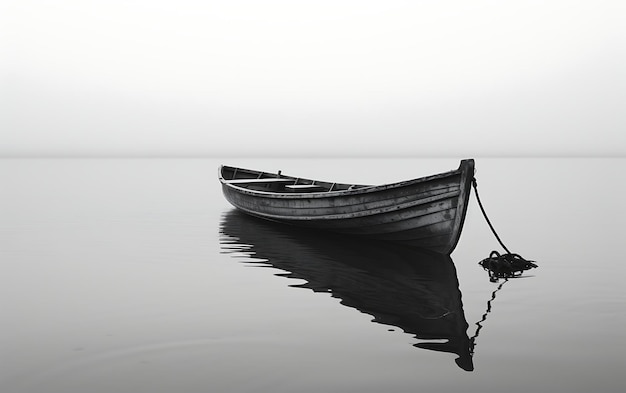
(427, 212)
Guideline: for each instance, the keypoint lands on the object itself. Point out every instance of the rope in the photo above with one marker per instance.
(501, 265)
(482, 209)
(505, 265)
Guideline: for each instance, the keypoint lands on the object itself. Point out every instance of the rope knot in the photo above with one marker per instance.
(505, 265)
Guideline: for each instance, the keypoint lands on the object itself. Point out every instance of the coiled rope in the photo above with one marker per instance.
(501, 265)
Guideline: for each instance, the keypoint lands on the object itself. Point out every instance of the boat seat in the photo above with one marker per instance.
(269, 180)
(303, 187)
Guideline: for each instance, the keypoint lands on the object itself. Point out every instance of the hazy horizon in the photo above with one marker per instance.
(327, 79)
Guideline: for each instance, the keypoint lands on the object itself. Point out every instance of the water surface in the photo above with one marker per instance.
(136, 275)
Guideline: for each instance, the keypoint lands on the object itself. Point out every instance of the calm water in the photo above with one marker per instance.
(137, 276)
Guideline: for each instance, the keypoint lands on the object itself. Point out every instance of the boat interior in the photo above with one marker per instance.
(277, 182)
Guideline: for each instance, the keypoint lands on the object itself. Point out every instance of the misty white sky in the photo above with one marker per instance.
(340, 77)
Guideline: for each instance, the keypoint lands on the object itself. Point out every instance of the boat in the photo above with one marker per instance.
(402, 287)
(426, 212)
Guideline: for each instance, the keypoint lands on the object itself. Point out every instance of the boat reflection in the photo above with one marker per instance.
(417, 292)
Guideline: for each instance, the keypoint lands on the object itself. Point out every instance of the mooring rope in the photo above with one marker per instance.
(501, 265)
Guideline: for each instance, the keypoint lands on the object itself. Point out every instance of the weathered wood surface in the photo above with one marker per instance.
(259, 181)
(426, 212)
(304, 187)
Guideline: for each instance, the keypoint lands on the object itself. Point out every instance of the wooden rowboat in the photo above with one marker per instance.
(427, 212)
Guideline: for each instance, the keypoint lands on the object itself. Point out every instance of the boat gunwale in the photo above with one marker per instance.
(370, 189)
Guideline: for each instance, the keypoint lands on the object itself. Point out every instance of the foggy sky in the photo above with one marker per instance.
(269, 78)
